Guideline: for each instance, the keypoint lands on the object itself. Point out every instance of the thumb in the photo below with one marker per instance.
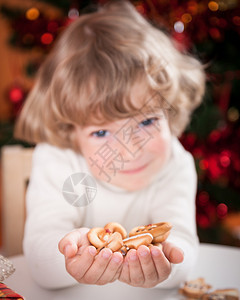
(174, 254)
(72, 241)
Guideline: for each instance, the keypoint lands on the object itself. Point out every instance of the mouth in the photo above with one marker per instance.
(134, 171)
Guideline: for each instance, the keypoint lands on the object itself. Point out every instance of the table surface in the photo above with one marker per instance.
(219, 265)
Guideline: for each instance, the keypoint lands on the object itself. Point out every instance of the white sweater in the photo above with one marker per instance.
(171, 197)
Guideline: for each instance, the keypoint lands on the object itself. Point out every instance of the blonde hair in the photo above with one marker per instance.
(89, 74)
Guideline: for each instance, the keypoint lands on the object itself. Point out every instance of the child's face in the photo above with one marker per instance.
(127, 153)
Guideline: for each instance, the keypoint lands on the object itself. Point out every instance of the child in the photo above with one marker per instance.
(110, 101)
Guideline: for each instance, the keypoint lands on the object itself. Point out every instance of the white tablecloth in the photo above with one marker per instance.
(219, 265)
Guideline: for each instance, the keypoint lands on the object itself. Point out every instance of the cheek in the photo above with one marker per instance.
(160, 151)
(160, 143)
(94, 155)
(89, 153)
(95, 162)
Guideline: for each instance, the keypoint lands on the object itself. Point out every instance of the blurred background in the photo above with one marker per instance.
(208, 29)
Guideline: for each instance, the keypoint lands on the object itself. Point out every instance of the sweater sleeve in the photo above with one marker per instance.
(175, 203)
(49, 217)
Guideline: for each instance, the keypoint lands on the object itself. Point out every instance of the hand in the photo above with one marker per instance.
(84, 264)
(146, 267)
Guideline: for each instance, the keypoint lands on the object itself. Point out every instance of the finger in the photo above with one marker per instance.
(68, 245)
(111, 270)
(174, 254)
(148, 266)
(162, 265)
(125, 275)
(98, 267)
(135, 269)
(71, 242)
(118, 273)
(80, 264)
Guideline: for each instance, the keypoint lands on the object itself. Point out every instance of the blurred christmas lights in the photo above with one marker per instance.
(32, 13)
(213, 6)
(179, 26)
(73, 14)
(47, 38)
(16, 94)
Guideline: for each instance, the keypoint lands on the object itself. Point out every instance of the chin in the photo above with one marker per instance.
(133, 186)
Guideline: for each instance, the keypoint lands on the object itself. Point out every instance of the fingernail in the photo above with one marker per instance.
(116, 259)
(155, 252)
(143, 252)
(67, 250)
(92, 250)
(133, 256)
(106, 254)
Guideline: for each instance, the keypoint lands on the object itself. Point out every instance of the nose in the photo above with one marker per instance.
(129, 149)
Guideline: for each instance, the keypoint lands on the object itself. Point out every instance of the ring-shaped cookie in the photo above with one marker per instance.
(110, 236)
(115, 242)
(98, 236)
(116, 227)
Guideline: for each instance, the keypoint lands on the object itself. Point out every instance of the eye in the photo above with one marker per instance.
(101, 133)
(148, 122)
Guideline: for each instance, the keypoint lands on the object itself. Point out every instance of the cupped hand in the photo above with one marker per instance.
(147, 267)
(84, 264)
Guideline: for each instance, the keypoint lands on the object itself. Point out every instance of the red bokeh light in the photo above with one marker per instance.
(47, 38)
(16, 94)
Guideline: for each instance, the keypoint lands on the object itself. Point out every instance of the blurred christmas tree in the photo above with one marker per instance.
(207, 29)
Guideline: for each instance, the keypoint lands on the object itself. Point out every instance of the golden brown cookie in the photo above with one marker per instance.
(195, 289)
(136, 241)
(110, 236)
(223, 294)
(159, 231)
